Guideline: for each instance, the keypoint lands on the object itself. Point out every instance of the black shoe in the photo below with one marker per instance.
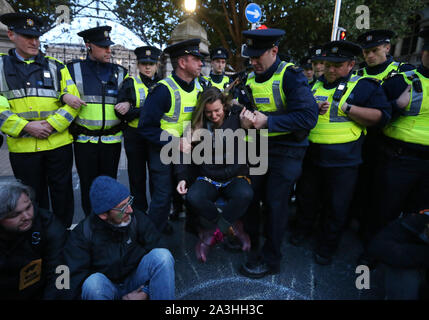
(297, 239)
(257, 270)
(322, 259)
(168, 229)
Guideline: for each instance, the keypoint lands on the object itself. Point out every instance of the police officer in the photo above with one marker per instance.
(380, 65)
(37, 107)
(305, 64)
(404, 170)
(131, 97)
(97, 129)
(285, 106)
(375, 49)
(217, 76)
(166, 109)
(347, 104)
(317, 62)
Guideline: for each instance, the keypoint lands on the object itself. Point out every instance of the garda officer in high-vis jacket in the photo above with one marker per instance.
(376, 45)
(286, 107)
(97, 129)
(217, 77)
(404, 169)
(37, 104)
(167, 109)
(131, 98)
(347, 105)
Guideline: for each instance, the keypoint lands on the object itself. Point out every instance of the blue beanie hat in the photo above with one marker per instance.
(106, 193)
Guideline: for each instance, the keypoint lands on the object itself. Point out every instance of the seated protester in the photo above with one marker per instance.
(31, 241)
(403, 246)
(205, 183)
(112, 253)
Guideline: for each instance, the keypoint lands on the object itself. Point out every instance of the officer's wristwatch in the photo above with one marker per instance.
(347, 109)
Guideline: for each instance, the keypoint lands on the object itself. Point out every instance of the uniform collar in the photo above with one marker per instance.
(268, 73)
(188, 87)
(379, 68)
(38, 59)
(334, 84)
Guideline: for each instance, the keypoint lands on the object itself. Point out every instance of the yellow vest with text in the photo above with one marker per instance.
(334, 126)
(19, 106)
(220, 85)
(91, 115)
(141, 93)
(182, 106)
(269, 96)
(413, 125)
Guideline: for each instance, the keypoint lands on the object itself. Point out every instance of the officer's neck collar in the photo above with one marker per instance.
(19, 57)
(188, 87)
(334, 84)
(380, 67)
(423, 70)
(269, 72)
(89, 58)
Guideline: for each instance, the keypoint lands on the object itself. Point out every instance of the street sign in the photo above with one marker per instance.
(253, 12)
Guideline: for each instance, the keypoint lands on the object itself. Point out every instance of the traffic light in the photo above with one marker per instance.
(341, 34)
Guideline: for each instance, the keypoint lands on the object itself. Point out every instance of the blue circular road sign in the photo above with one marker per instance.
(253, 12)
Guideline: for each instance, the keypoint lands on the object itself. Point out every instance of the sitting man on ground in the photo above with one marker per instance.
(112, 253)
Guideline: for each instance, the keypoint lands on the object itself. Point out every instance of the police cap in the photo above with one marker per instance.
(182, 48)
(99, 36)
(147, 54)
(305, 63)
(340, 51)
(316, 53)
(425, 35)
(219, 53)
(375, 38)
(23, 23)
(260, 40)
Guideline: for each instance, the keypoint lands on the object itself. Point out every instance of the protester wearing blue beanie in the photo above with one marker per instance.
(106, 193)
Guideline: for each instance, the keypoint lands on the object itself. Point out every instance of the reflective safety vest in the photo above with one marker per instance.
(335, 126)
(35, 98)
(141, 93)
(101, 98)
(392, 67)
(182, 106)
(220, 85)
(413, 125)
(269, 96)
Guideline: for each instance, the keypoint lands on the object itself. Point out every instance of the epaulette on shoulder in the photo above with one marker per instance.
(294, 68)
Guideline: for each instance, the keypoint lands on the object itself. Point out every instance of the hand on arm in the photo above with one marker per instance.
(181, 187)
(123, 107)
(73, 101)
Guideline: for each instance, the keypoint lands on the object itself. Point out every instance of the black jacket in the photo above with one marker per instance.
(20, 275)
(217, 172)
(403, 243)
(114, 252)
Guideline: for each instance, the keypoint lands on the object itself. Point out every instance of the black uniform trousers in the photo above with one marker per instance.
(49, 173)
(137, 152)
(331, 187)
(93, 160)
(273, 189)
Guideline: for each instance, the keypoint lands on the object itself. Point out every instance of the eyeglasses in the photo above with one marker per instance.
(125, 207)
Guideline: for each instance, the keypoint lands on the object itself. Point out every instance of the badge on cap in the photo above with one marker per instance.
(250, 42)
(369, 38)
(309, 61)
(106, 33)
(334, 50)
(148, 53)
(318, 51)
(30, 22)
(219, 52)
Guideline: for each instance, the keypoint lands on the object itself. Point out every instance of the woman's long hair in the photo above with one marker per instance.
(209, 95)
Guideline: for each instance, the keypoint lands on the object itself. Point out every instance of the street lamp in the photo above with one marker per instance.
(190, 5)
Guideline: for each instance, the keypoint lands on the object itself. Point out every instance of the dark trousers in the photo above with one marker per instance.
(49, 173)
(274, 189)
(93, 160)
(400, 177)
(333, 189)
(403, 284)
(237, 194)
(137, 152)
(161, 176)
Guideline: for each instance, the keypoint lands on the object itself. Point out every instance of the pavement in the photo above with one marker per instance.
(218, 279)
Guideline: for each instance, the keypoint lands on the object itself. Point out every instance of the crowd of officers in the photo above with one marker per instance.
(348, 141)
